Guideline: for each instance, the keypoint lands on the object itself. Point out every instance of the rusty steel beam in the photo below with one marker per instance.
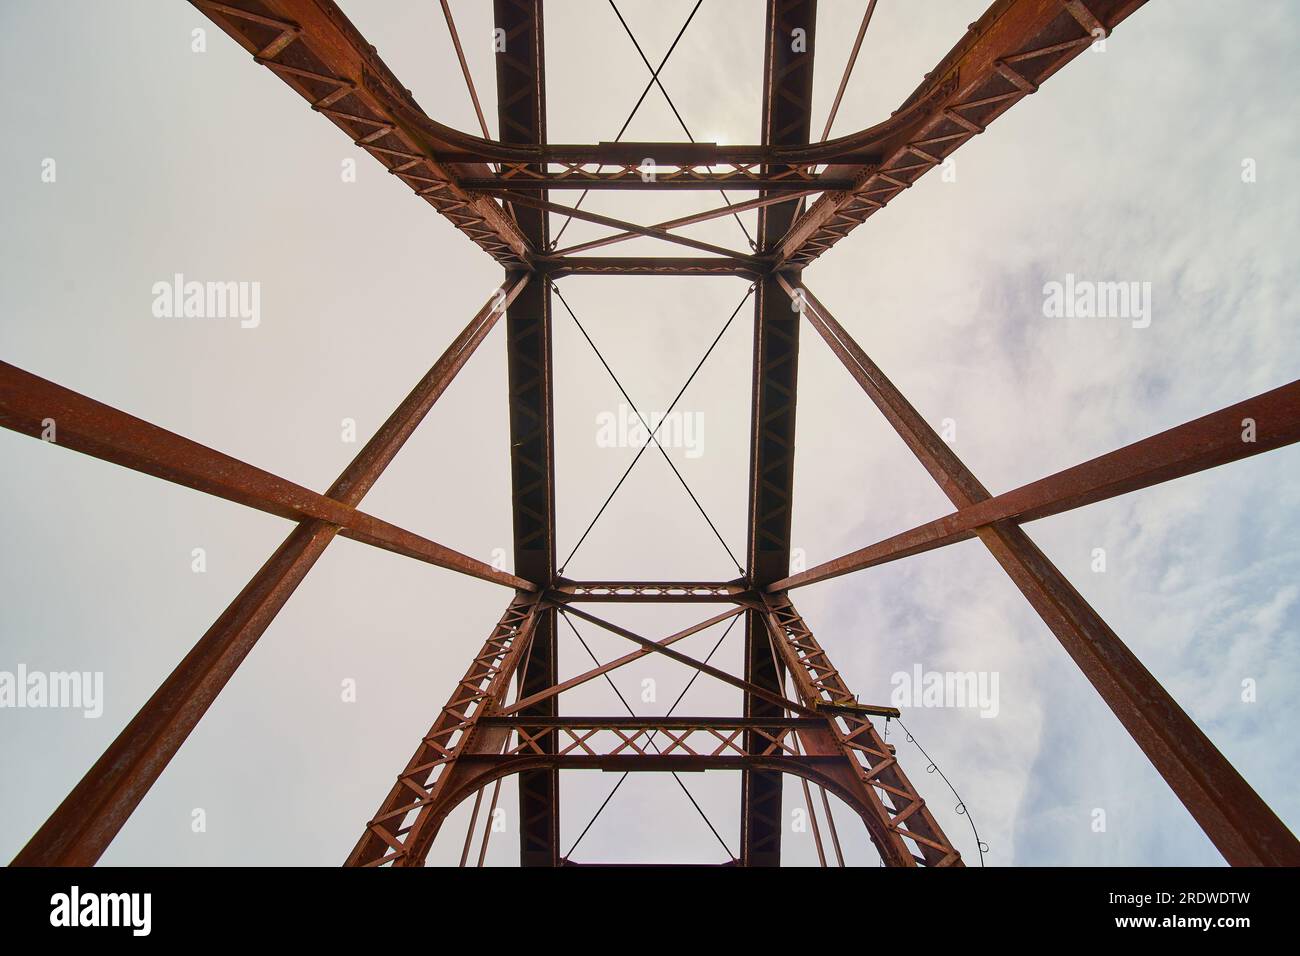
(315, 50)
(469, 84)
(1006, 55)
(521, 118)
(857, 149)
(797, 180)
(502, 719)
(653, 232)
(1237, 821)
(786, 121)
(649, 592)
(88, 819)
(107, 433)
(1206, 442)
(601, 669)
(773, 697)
(645, 266)
(900, 823)
(424, 788)
(848, 70)
(691, 220)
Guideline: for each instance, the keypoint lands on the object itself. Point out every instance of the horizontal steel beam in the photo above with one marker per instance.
(671, 179)
(644, 266)
(648, 592)
(654, 723)
(674, 153)
(656, 763)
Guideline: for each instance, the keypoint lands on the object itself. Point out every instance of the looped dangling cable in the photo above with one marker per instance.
(961, 804)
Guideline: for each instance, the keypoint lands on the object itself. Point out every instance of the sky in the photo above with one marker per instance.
(1127, 166)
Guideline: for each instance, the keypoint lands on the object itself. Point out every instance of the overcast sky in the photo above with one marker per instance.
(1127, 166)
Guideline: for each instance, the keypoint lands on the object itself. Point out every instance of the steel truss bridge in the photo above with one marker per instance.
(798, 718)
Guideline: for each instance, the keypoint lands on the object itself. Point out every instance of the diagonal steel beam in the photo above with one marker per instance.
(82, 827)
(1006, 55)
(1239, 823)
(647, 266)
(653, 232)
(102, 431)
(534, 699)
(404, 827)
(313, 47)
(690, 220)
(1204, 443)
(772, 697)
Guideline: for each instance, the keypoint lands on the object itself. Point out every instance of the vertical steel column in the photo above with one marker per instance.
(787, 105)
(521, 116)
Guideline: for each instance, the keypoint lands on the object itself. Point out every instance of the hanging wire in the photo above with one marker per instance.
(649, 431)
(650, 742)
(641, 451)
(671, 105)
(934, 768)
(689, 685)
(654, 76)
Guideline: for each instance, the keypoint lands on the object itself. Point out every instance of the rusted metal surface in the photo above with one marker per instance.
(797, 179)
(901, 826)
(1206, 442)
(786, 121)
(104, 432)
(1006, 55)
(482, 735)
(403, 829)
(1239, 823)
(773, 697)
(315, 50)
(535, 698)
(848, 70)
(479, 738)
(84, 824)
(650, 592)
(647, 266)
(88, 819)
(521, 117)
(691, 220)
(653, 232)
